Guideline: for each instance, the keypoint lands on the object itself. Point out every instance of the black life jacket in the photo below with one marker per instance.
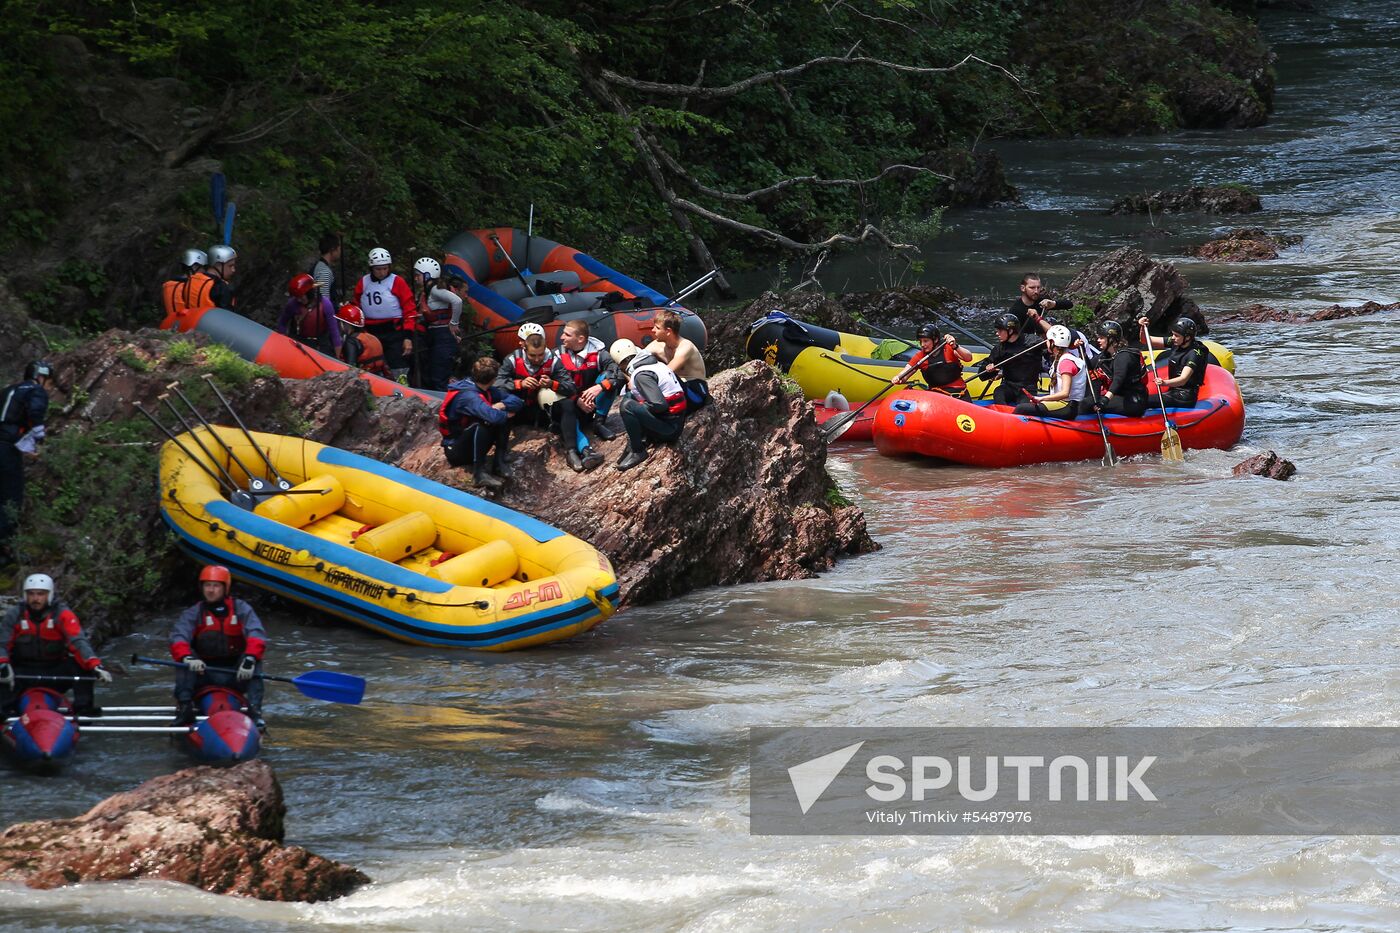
(219, 636)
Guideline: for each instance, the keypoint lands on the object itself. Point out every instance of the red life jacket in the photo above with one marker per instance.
(311, 321)
(218, 638)
(42, 640)
(583, 367)
(521, 369)
(450, 428)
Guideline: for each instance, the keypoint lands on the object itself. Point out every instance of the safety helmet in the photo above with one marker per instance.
(431, 268)
(194, 257)
(379, 256)
(622, 350)
(215, 573)
(38, 368)
(529, 329)
(351, 314)
(1185, 327)
(300, 285)
(931, 332)
(38, 581)
(1111, 329)
(220, 254)
(1008, 322)
(1060, 336)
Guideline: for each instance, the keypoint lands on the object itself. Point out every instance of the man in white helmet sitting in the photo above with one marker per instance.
(655, 407)
(534, 374)
(41, 637)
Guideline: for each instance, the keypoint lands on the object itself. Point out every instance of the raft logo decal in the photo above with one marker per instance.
(354, 584)
(278, 555)
(521, 599)
(966, 424)
(770, 354)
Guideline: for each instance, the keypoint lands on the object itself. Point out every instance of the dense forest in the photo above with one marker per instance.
(657, 135)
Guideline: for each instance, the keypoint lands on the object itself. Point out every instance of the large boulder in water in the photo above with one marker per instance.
(217, 829)
(1198, 199)
(1127, 283)
(1248, 244)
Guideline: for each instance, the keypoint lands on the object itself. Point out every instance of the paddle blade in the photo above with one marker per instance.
(331, 686)
(228, 223)
(1171, 446)
(839, 425)
(217, 197)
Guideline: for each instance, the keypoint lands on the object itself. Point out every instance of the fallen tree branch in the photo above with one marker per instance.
(196, 141)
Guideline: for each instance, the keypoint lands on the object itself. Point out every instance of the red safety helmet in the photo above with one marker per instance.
(351, 314)
(300, 285)
(216, 574)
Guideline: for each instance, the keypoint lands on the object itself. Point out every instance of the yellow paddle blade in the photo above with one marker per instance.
(1171, 446)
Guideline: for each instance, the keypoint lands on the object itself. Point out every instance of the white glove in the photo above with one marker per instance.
(103, 674)
(246, 668)
(194, 664)
(7, 675)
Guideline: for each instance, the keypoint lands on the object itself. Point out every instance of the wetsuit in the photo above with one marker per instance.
(1122, 376)
(23, 407)
(1022, 312)
(1177, 359)
(1020, 373)
(220, 634)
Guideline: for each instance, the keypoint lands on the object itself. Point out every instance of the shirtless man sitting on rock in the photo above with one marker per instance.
(680, 355)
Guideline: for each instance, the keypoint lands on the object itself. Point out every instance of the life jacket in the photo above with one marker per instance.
(1078, 383)
(41, 640)
(583, 367)
(520, 368)
(377, 299)
(451, 427)
(310, 322)
(435, 316)
(218, 637)
(371, 358)
(1194, 355)
(188, 293)
(944, 374)
(671, 388)
(14, 410)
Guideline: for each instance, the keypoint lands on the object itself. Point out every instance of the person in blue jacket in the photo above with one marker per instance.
(23, 407)
(475, 418)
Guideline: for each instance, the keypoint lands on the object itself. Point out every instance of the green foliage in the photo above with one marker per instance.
(836, 498)
(134, 360)
(230, 369)
(180, 351)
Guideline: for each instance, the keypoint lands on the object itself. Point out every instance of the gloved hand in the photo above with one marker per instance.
(103, 674)
(194, 664)
(246, 667)
(7, 675)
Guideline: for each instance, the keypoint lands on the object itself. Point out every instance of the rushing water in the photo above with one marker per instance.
(601, 784)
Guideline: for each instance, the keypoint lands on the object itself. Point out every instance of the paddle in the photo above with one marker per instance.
(842, 422)
(986, 373)
(1110, 457)
(331, 686)
(528, 287)
(228, 223)
(218, 199)
(1171, 443)
(946, 322)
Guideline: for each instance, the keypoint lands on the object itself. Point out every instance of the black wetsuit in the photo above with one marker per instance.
(1021, 310)
(1124, 374)
(1020, 373)
(1177, 359)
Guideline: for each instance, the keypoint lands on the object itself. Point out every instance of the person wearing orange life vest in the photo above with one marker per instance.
(218, 631)
(391, 313)
(190, 291)
(534, 374)
(308, 317)
(223, 262)
(655, 407)
(940, 361)
(359, 348)
(474, 417)
(43, 638)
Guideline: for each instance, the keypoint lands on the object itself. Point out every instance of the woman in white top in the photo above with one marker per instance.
(1069, 380)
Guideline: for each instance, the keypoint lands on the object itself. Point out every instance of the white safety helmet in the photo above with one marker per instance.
(622, 350)
(528, 329)
(221, 254)
(1060, 336)
(431, 268)
(194, 257)
(38, 581)
(379, 256)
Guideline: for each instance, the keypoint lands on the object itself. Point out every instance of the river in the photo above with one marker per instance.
(601, 784)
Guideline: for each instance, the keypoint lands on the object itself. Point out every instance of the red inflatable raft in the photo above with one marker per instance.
(554, 284)
(936, 425)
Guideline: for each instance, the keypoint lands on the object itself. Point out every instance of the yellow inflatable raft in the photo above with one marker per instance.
(823, 360)
(381, 547)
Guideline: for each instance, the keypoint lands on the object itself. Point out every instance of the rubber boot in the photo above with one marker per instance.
(184, 713)
(483, 479)
(504, 467)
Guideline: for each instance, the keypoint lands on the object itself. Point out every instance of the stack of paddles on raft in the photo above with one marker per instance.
(44, 734)
(374, 544)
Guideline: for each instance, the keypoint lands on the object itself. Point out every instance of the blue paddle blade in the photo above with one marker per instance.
(217, 198)
(331, 686)
(228, 223)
